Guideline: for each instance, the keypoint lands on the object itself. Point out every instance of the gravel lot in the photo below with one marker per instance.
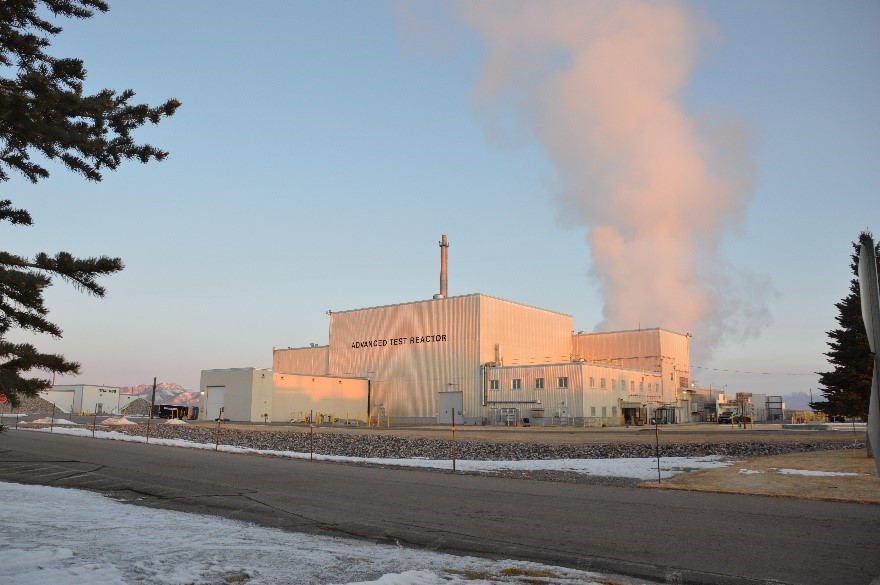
(480, 443)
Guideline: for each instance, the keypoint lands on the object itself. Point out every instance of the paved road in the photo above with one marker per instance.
(667, 536)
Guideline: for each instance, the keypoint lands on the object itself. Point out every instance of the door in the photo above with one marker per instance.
(450, 404)
(216, 401)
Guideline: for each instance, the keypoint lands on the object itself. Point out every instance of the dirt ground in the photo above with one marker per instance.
(783, 476)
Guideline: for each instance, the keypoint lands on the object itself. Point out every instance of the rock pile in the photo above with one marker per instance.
(31, 405)
(138, 407)
(391, 446)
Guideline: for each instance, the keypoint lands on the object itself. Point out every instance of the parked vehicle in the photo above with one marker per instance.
(742, 418)
(725, 418)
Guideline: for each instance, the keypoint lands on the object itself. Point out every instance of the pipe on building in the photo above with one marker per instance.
(444, 260)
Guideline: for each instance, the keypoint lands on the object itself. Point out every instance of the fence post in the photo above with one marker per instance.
(453, 439)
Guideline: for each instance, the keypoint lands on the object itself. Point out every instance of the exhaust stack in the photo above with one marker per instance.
(444, 258)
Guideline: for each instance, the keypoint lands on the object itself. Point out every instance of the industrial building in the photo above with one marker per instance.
(477, 358)
(87, 399)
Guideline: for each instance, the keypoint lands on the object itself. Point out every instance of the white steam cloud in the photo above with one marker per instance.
(599, 85)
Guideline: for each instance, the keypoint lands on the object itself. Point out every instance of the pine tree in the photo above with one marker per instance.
(44, 112)
(847, 388)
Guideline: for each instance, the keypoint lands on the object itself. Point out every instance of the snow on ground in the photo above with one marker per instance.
(67, 537)
(118, 422)
(175, 421)
(644, 468)
(815, 473)
(57, 421)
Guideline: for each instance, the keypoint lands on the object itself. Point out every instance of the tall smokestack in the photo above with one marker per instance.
(444, 258)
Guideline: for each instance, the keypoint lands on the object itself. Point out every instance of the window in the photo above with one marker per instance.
(632, 387)
(613, 385)
(602, 383)
(641, 387)
(516, 384)
(592, 382)
(604, 411)
(562, 382)
(592, 411)
(493, 384)
(539, 383)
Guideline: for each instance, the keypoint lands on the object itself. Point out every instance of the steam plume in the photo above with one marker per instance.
(599, 84)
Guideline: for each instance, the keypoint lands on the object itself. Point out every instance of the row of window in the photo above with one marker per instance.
(562, 382)
(516, 383)
(604, 411)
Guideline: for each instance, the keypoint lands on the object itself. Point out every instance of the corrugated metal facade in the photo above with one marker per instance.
(410, 352)
(522, 334)
(479, 345)
(586, 393)
(321, 398)
(413, 351)
(657, 351)
(301, 360)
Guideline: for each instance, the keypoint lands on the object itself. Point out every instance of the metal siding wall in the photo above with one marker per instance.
(526, 335)
(676, 348)
(579, 397)
(626, 349)
(657, 352)
(301, 360)
(238, 398)
(406, 376)
(551, 397)
(66, 400)
(296, 394)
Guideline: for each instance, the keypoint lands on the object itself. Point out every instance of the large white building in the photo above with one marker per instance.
(87, 399)
(487, 359)
(471, 359)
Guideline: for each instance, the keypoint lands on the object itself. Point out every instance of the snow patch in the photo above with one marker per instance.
(815, 473)
(57, 421)
(94, 545)
(118, 422)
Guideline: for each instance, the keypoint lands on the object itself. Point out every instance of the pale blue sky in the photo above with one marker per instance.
(322, 148)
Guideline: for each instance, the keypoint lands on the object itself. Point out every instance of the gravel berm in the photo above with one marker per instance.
(390, 445)
(504, 445)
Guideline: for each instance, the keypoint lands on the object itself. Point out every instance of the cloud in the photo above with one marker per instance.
(599, 85)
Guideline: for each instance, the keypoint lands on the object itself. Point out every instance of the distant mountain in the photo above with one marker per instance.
(166, 393)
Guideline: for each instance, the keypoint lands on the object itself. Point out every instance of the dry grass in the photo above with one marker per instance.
(762, 476)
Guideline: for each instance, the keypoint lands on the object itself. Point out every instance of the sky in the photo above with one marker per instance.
(698, 166)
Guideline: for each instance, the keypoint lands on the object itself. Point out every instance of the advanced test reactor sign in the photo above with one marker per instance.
(418, 339)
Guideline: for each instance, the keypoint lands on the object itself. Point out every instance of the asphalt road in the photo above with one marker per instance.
(667, 536)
